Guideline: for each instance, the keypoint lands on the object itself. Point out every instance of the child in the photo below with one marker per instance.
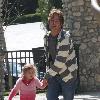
(26, 85)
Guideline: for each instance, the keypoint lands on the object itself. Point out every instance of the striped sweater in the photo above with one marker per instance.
(65, 62)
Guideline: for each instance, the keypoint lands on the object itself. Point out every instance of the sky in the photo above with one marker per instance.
(24, 36)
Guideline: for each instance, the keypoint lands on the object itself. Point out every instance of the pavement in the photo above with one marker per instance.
(83, 96)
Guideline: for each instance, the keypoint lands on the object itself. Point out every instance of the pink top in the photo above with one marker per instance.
(27, 92)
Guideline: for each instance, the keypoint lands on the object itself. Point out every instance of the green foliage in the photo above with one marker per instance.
(44, 8)
(30, 18)
(56, 3)
(14, 7)
(22, 12)
(15, 11)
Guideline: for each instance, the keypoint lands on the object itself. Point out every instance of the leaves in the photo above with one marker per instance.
(44, 8)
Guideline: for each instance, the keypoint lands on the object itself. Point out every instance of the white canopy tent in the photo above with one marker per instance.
(24, 36)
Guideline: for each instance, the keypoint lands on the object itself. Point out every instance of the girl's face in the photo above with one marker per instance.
(29, 74)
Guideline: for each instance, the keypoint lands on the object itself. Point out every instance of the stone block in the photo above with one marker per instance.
(98, 38)
(78, 3)
(83, 46)
(88, 18)
(94, 40)
(77, 25)
(76, 14)
(97, 77)
(91, 30)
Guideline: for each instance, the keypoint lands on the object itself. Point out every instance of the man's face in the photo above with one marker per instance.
(55, 23)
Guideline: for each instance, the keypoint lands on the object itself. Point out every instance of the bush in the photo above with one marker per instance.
(30, 18)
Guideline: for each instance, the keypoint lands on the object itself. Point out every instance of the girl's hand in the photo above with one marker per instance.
(45, 82)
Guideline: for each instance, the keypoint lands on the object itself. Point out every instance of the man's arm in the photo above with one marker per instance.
(65, 48)
(96, 8)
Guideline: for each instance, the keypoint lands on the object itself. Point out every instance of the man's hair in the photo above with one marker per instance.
(57, 11)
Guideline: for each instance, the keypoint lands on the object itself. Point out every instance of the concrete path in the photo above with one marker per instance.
(85, 96)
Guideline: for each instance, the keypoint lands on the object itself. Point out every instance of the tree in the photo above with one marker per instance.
(30, 6)
(45, 6)
(2, 48)
(13, 9)
(56, 3)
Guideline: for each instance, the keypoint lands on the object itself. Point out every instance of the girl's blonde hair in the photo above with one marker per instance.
(28, 67)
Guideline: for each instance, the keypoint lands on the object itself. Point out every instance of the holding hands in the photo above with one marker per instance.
(44, 82)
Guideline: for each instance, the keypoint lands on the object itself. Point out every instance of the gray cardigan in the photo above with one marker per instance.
(65, 63)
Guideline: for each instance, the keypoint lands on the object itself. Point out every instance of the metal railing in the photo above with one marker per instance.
(13, 63)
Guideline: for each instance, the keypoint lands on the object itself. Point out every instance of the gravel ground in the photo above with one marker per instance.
(85, 96)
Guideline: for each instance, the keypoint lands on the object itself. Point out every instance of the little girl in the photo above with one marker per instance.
(26, 85)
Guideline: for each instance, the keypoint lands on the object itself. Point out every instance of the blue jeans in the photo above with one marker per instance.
(56, 87)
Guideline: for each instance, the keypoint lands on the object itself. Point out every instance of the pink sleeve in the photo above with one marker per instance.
(14, 91)
(39, 84)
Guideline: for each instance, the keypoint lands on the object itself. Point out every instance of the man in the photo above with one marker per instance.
(61, 60)
(96, 7)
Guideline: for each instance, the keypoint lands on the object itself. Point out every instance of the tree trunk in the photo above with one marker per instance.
(2, 48)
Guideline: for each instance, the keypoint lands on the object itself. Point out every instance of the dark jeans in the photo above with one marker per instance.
(56, 87)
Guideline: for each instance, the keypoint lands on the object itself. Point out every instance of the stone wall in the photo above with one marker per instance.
(80, 20)
(2, 47)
